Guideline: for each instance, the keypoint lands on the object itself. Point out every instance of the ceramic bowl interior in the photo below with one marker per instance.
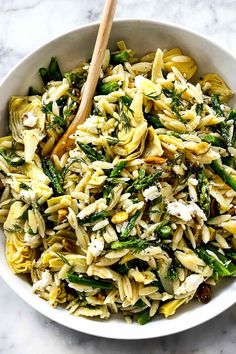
(70, 48)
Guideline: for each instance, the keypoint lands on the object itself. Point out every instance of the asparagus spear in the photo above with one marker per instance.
(92, 154)
(119, 57)
(143, 317)
(130, 225)
(216, 105)
(229, 161)
(54, 71)
(54, 176)
(214, 140)
(44, 75)
(77, 279)
(143, 182)
(220, 171)
(232, 116)
(203, 190)
(222, 265)
(94, 217)
(108, 87)
(33, 92)
(118, 168)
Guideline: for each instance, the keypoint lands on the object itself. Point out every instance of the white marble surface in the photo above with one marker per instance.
(25, 25)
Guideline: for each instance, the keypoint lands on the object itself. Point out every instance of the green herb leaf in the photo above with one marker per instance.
(24, 186)
(12, 158)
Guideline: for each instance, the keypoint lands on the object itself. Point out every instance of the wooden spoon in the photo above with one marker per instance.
(65, 143)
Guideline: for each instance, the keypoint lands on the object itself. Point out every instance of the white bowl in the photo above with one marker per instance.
(69, 48)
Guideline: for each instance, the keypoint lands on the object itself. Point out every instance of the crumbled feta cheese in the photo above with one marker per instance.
(96, 247)
(185, 211)
(29, 120)
(190, 284)
(138, 80)
(32, 240)
(198, 211)
(28, 196)
(193, 181)
(222, 107)
(46, 280)
(150, 193)
(180, 210)
(93, 124)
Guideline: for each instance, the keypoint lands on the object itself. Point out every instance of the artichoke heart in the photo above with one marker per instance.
(153, 144)
(21, 107)
(28, 190)
(19, 256)
(36, 173)
(217, 86)
(185, 64)
(170, 307)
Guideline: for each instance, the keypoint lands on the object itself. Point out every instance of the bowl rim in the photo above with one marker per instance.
(31, 298)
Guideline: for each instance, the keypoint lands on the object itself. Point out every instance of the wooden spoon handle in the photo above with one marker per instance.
(65, 143)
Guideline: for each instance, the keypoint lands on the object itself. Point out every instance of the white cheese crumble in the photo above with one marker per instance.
(150, 193)
(46, 280)
(93, 124)
(29, 120)
(185, 211)
(96, 247)
(138, 80)
(32, 240)
(28, 196)
(193, 181)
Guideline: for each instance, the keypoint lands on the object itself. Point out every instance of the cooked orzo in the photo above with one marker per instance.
(139, 218)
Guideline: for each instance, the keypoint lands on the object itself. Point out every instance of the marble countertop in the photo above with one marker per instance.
(25, 25)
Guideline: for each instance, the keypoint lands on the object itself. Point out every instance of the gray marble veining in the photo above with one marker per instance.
(27, 24)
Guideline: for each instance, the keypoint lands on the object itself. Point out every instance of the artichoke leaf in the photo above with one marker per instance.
(36, 173)
(147, 87)
(19, 107)
(153, 144)
(139, 136)
(31, 138)
(135, 112)
(217, 86)
(170, 307)
(19, 256)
